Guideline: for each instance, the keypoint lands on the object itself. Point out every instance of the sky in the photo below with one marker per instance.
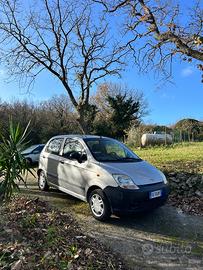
(168, 102)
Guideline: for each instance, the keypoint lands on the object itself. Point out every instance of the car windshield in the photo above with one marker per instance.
(109, 150)
(30, 149)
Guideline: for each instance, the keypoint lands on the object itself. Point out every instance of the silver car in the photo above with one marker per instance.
(32, 153)
(103, 172)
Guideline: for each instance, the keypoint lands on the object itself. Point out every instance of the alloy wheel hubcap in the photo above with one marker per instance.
(42, 180)
(97, 205)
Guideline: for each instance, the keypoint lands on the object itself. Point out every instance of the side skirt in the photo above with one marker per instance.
(82, 198)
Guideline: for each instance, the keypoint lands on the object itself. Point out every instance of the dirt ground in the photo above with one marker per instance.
(166, 238)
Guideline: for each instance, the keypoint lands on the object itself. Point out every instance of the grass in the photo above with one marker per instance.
(186, 156)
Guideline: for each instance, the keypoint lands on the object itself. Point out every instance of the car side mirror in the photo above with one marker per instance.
(83, 157)
(75, 155)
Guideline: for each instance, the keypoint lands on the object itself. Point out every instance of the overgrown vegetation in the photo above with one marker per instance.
(177, 157)
(35, 236)
(185, 130)
(12, 164)
(118, 109)
(57, 116)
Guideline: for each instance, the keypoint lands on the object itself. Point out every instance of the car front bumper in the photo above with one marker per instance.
(133, 201)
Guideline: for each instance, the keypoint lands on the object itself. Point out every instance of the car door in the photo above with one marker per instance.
(51, 155)
(36, 153)
(72, 173)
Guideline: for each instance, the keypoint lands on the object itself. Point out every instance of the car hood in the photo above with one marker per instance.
(142, 173)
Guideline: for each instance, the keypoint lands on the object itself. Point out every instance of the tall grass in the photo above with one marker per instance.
(187, 155)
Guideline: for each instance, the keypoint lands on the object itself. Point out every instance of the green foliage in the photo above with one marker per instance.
(30, 221)
(6, 257)
(73, 251)
(159, 129)
(51, 237)
(199, 137)
(188, 129)
(12, 163)
(123, 113)
(102, 127)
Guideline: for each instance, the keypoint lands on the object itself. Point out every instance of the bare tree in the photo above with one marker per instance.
(157, 31)
(63, 38)
(47, 118)
(58, 113)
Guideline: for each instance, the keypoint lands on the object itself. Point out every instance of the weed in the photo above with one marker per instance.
(29, 221)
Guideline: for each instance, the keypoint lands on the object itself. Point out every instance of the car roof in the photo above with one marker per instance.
(41, 144)
(36, 145)
(79, 136)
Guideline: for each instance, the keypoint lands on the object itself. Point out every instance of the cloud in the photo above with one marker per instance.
(186, 72)
(2, 73)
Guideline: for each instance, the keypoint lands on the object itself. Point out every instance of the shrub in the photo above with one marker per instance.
(12, 163)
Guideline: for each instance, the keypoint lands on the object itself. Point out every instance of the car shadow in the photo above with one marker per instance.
(57, 199)
(166, 220)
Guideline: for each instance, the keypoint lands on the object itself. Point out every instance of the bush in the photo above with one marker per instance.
(134, 137)
(12, 163)
(199, 137)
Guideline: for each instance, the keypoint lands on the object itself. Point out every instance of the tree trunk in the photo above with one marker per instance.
(82, 123)
(87, 113)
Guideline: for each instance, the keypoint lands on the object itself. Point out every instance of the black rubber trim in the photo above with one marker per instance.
(133, 201)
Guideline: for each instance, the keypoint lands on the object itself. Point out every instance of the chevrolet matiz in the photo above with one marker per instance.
(102, 171)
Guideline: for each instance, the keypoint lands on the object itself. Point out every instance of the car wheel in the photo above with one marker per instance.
(99, 205)
(42, 181)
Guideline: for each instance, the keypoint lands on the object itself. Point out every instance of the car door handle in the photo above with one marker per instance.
(62, 162)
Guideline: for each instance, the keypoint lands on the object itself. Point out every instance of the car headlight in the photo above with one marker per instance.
(164, 179)
(125, 181)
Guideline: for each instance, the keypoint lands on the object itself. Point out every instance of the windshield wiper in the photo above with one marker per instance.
(121, 160)
(130, 158)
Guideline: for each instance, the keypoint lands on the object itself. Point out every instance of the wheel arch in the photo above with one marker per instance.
(39, 171)
(90, 189)
(93, 187)
(29, 160)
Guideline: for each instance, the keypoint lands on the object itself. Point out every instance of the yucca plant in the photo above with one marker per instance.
(12, 164)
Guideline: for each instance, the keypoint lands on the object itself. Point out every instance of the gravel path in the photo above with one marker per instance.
(163, 239)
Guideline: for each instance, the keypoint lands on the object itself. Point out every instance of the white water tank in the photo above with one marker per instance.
(156, 139)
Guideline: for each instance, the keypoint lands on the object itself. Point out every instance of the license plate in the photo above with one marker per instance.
(155, 194)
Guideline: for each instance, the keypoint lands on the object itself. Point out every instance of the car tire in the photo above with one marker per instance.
(99, 205)
(42, 181)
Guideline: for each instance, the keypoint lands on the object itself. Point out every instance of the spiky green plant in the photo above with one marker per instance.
(12, 164)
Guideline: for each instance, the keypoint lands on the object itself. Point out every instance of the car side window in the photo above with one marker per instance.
(71, 146)
(40, 148)
(37, 150)
(54, 146)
